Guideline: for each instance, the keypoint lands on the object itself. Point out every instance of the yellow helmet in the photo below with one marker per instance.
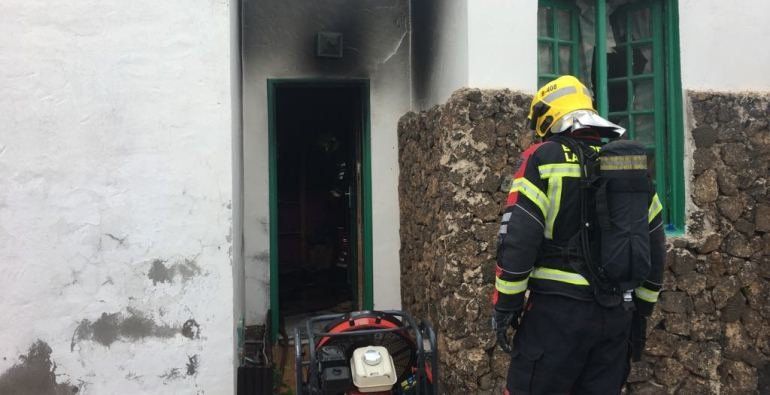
(555, 100)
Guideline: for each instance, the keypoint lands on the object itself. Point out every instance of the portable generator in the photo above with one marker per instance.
(366, 353)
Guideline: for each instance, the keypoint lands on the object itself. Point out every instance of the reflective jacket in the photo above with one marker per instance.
(541, 215)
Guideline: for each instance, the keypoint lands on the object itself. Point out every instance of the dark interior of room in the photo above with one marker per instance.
(318, 132)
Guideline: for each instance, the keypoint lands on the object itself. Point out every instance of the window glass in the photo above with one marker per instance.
(544, 58)
(643, 95)
(641, 24)
(644, 129)
(636, 74)
(544, 25)
(642, 59)
(564, 24)
(558, 40)
(565, 59)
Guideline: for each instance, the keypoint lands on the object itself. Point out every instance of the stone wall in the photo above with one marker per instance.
(710, 331)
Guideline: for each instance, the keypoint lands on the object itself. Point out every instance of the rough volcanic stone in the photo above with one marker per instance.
(758, 295)
(675, 302)
(692, 283)
(695, 385)
(762, 218)
(736, 155)
(669, 372)
(701, 359)
(678, 324)
(739, 345)
(725, 290)
(705, 189)
(705, 328)
(738, 377)
(704, 304)
(734, 308)
(731, 206)
(640, 371)
(728, 182)
(704, 159)
(704, 136)
(683, 261)
(647, 388)
(709, 243)
(745, 227)
(737, 245)
(661, 343)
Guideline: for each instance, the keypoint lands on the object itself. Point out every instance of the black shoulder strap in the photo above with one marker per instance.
(588, 160)
(602, 206)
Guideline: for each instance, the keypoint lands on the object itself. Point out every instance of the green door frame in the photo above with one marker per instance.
(366, 188)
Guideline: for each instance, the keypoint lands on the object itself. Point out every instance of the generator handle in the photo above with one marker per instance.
(426, 326)
(298, 360)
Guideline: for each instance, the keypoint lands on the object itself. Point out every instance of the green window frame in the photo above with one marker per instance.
(555, 41)
(644, 96)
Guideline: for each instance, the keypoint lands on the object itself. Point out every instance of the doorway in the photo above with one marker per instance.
(320, 199)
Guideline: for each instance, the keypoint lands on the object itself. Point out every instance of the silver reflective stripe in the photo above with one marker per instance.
(503, 229)
(626, 162)
(506, 217)
(567, 90)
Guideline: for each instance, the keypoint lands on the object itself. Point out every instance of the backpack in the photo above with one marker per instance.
(613, 239)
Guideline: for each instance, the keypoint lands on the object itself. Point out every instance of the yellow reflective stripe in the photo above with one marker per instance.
(559, 170)
(511, 287)
(544, 273)
(532, 192)
(655, 208)
(554, 173)
(554, 194)
(623, 162)
(646, 294)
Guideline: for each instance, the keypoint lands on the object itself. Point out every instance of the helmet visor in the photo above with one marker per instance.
(582, 119)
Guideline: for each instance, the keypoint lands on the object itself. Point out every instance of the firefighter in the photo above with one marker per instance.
(572, 336)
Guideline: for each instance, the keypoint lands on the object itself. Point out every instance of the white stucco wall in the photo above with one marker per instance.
(723, 45)
(502, 44)
(115, 194)
(279, 43)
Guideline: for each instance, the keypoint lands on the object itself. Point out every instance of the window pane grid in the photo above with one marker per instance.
(631, 77)
(639, 42)
(642, 76)
(556, 40)
(559, 35)
(624, 113)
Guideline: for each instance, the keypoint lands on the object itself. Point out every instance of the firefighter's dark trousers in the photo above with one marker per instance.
(569, 346)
